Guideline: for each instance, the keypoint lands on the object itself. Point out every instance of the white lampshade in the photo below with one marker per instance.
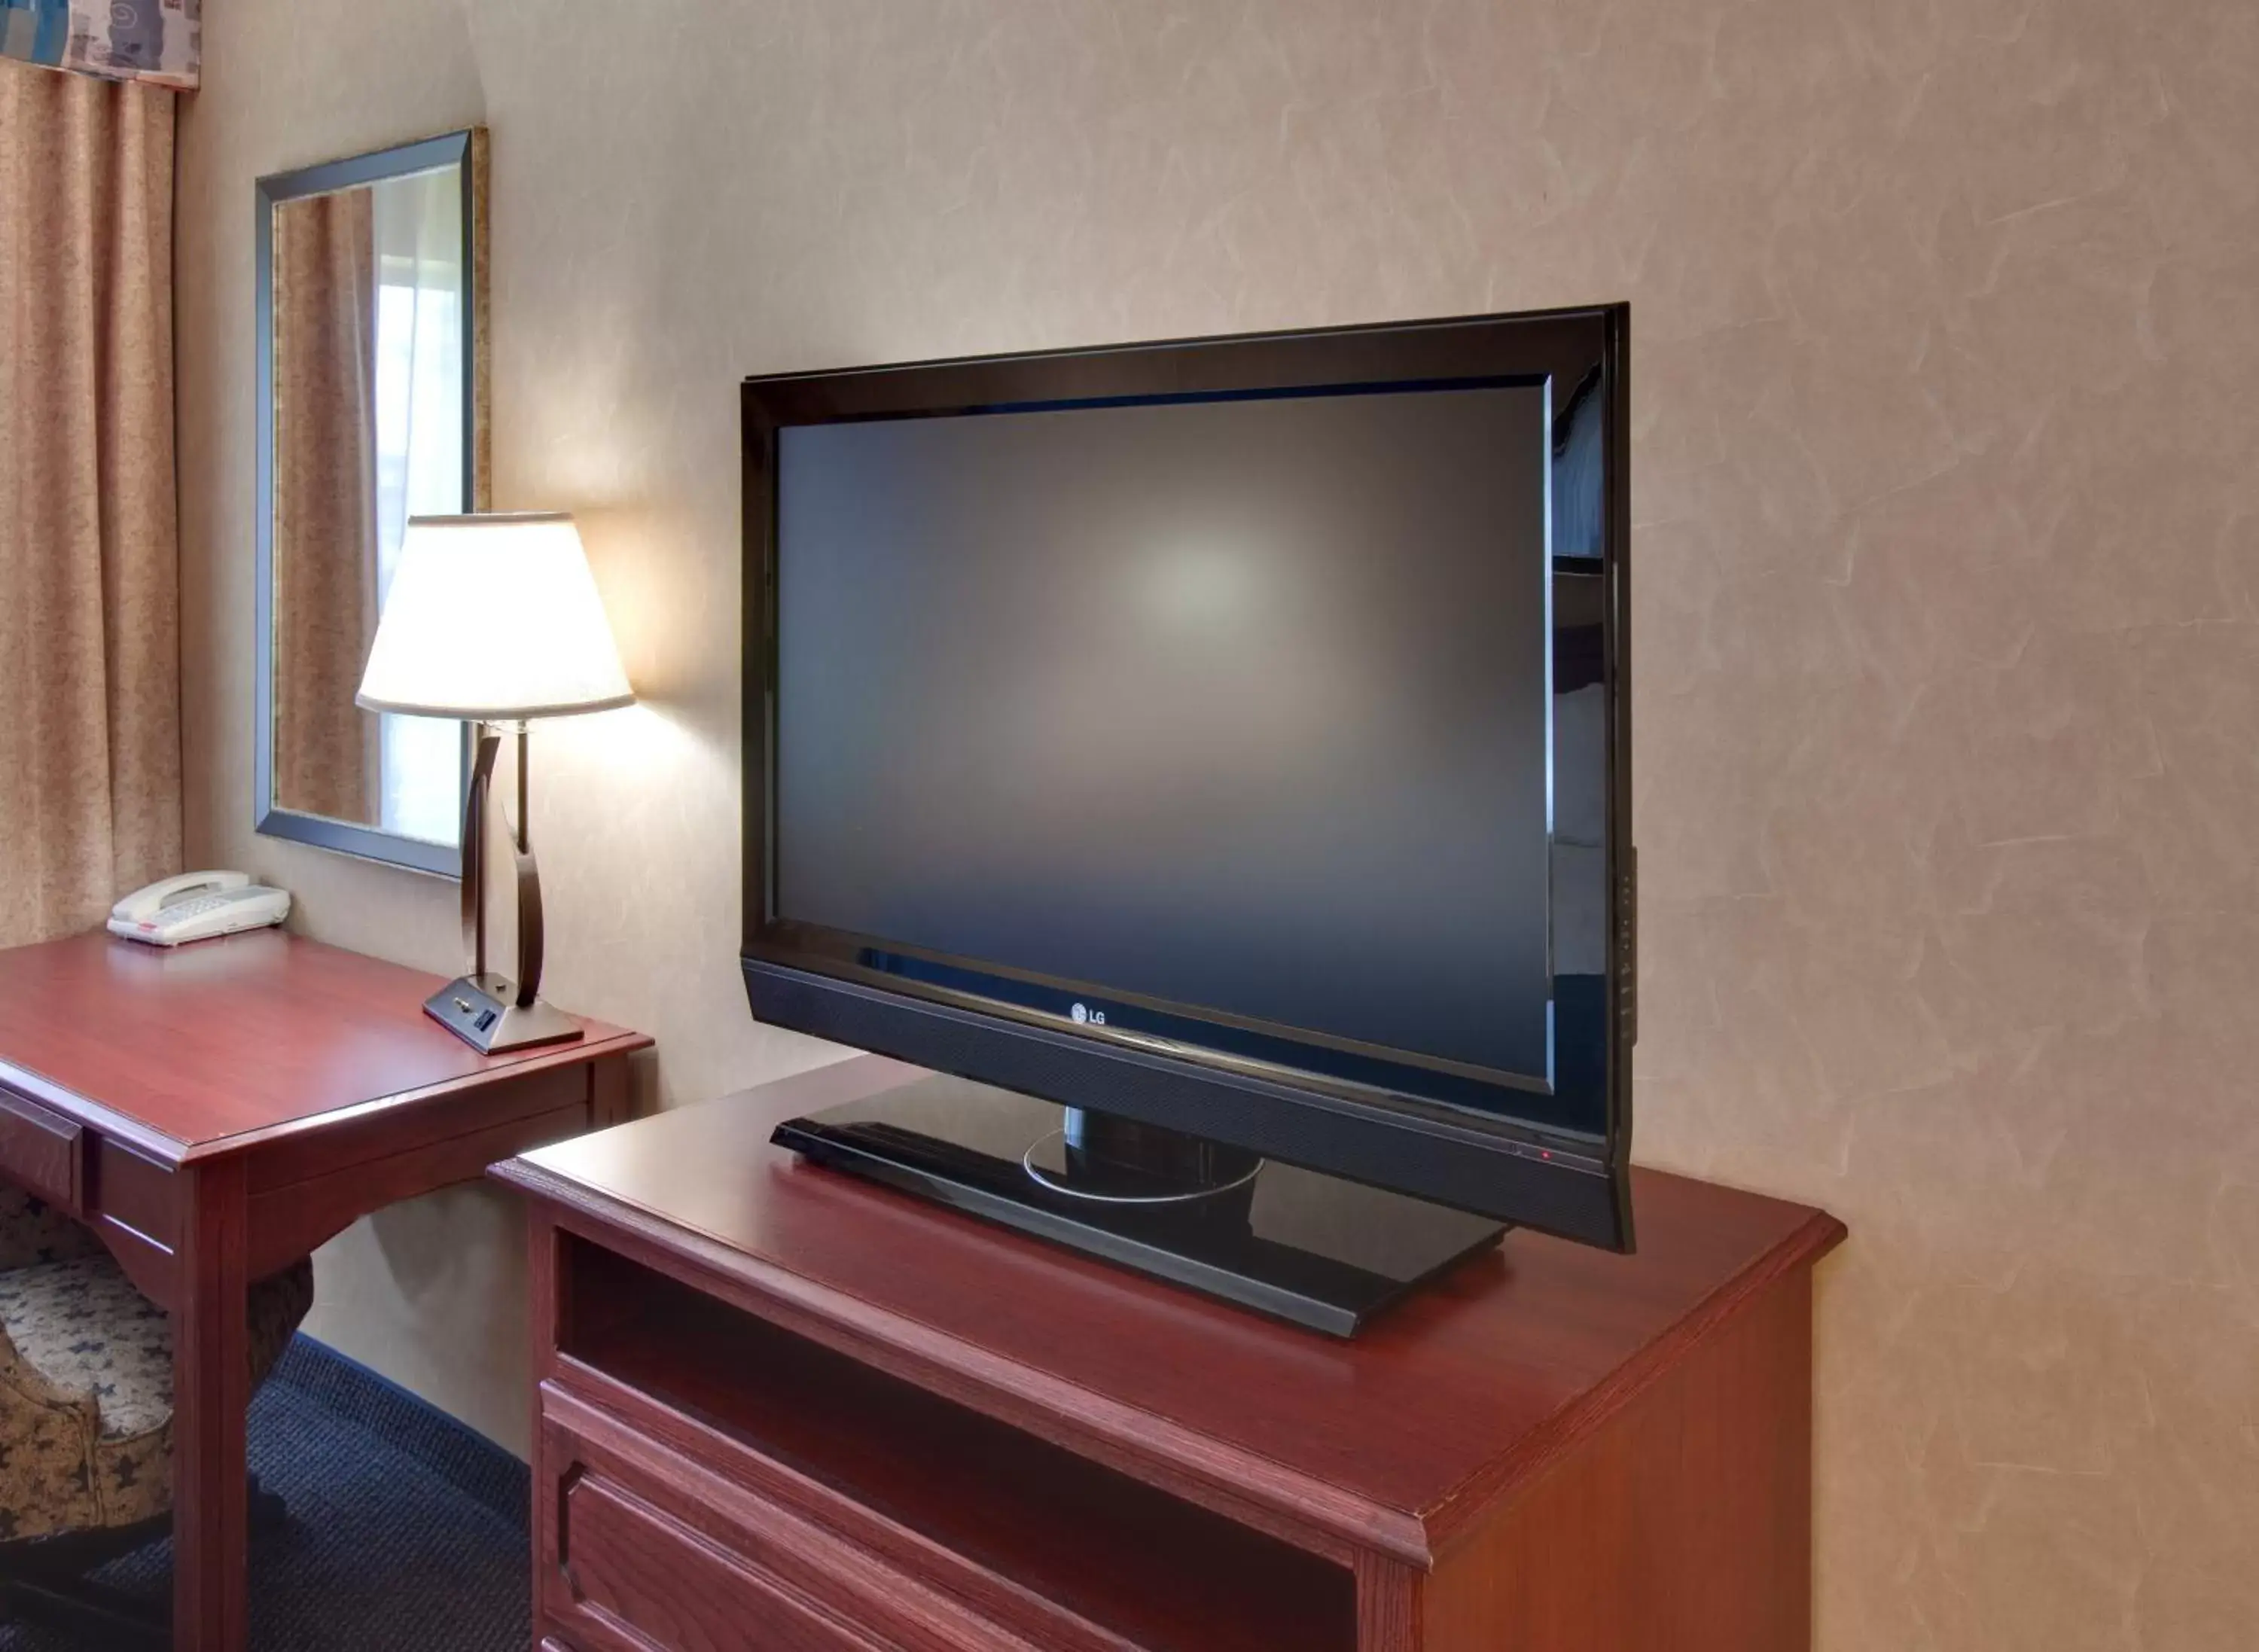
(491, 619)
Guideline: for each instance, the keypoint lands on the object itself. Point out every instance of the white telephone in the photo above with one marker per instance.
(195, 906)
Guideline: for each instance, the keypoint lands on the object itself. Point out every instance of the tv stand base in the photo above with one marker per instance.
(1308, 1247)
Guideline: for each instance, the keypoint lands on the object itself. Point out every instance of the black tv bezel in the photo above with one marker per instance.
(1559, 1182)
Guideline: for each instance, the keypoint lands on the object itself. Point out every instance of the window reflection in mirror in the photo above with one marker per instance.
(371, 373)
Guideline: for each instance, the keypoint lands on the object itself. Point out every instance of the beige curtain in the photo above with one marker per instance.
(90, 650)
(326, 749)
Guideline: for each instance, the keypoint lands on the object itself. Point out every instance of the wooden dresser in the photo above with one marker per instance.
(787, 1411)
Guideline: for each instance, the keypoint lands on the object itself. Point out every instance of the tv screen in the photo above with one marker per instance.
(1250, 717)
(1232, 709)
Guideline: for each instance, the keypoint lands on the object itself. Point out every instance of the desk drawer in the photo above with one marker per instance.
(42, 1152)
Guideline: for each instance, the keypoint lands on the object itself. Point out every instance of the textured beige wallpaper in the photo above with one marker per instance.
(1947, 584)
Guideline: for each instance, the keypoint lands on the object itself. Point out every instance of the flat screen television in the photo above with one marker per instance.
(1211, 759)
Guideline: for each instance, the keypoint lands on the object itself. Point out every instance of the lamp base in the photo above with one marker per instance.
(482, 1011)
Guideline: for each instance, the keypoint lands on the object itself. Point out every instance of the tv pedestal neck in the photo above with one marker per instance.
(788, 1410)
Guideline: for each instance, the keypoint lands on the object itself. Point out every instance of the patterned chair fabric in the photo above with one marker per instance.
(86, 1376)
(31, 1232)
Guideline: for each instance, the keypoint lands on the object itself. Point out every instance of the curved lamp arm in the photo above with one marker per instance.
(529, 892)
(476, 803)
(487, 741)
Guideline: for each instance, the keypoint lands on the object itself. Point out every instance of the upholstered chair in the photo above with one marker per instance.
(86, 1416)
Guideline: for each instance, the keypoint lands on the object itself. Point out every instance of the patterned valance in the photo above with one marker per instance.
(155, 41)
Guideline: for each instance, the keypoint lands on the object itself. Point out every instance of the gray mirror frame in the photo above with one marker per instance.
(469, 150)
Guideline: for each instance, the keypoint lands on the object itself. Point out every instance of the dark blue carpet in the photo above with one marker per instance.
(407, 1529)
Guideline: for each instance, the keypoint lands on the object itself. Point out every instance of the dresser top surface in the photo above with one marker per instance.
(1479, 1379)
(218, 1041)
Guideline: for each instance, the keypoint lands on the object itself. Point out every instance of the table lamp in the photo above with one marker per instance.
(494, 619)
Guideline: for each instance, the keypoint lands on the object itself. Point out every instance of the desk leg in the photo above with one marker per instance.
(543, 1242)
(211, 1389)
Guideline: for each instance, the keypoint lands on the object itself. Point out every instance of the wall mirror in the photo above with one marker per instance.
(373, 390)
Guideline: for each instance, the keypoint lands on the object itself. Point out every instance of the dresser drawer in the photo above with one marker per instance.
(925, 1524)
(638, 1578)
(42, 1152)
(647, 1549)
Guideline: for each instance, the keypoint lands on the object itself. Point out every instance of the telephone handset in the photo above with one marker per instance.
(195, 906)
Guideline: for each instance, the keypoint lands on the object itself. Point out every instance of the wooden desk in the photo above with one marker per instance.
(787, 1411)
(217, 1111)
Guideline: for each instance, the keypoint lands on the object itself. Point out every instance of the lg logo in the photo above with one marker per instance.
(1082, 1012)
